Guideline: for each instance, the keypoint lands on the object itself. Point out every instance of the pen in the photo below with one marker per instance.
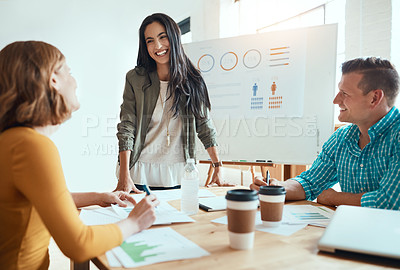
(148, 191)
(267, 178)
(146, 188)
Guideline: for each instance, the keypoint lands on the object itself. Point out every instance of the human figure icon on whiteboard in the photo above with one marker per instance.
(255, 88)
(256, 103)
(273, 88)
(275, 102)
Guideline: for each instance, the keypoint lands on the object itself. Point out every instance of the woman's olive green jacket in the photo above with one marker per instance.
(141, 92)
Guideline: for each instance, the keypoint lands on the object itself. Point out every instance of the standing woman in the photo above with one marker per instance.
(37, 93)
(165, 103)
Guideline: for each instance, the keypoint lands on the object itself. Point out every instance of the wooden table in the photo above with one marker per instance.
(298, 251)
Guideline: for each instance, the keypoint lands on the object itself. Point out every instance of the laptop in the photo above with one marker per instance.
(363, 230)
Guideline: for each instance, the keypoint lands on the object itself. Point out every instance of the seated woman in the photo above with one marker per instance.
(37, 93)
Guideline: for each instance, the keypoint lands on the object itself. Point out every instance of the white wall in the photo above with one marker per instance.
(100, 40)
(368, 28)
(395, 54)
(373, 29)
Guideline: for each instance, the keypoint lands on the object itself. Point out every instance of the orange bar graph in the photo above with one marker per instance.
(279, 48)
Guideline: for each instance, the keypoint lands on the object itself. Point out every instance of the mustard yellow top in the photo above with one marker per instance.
(36, 204)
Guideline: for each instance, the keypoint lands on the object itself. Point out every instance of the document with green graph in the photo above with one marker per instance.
(154, 246)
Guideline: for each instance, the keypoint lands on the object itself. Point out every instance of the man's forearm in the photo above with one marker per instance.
(348, 198)
(334, 198)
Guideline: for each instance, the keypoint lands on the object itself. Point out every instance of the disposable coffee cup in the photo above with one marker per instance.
(241, 207)
(272, 199)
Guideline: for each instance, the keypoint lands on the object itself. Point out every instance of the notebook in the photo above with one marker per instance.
(213, 203)
(363, 230)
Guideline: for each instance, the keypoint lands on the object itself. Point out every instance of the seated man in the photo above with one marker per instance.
(363, 157)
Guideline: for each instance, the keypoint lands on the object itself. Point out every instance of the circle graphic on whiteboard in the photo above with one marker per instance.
(251, 58)
(229, 61)
(206, 63)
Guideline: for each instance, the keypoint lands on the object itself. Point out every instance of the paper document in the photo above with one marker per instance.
(165, 214)
(312, 215)
(295, 218)
(154, 246)
(99, 216)
(211, 204)
(283, 229)
(112, 260)
(171, 194)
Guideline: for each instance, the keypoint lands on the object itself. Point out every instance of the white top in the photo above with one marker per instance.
(160, 164)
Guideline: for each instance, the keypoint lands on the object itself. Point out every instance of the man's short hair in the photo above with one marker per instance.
(377, 74)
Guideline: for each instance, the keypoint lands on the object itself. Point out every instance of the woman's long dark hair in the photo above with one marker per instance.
(185, 81)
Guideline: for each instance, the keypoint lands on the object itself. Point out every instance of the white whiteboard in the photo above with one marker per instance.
(271, 94)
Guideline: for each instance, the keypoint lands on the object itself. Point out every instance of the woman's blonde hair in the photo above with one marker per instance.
(26, 95)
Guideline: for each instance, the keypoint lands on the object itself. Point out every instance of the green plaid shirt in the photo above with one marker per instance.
(374, 170)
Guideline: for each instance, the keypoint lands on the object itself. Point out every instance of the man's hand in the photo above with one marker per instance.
(327, 197)
(332, 197)
(260, 181)
(294, 191)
